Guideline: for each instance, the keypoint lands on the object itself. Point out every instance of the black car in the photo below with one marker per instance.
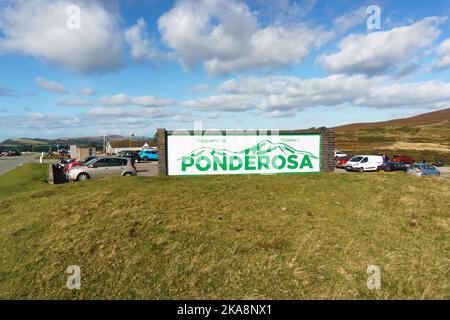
(393, 166)
(133, 155)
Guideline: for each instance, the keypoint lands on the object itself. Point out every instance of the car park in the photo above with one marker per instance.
(363, 163)
(133, 155)
(404, 159)
(103, 166)
(148, 155)
(423, 169)
(393, 166)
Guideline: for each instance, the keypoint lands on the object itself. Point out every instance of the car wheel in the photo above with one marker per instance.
(146, 159)
(361, 169)
(83, 177)
(127, 174)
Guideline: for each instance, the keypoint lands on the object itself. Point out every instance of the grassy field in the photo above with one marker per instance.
(418, 141)
(231, 237)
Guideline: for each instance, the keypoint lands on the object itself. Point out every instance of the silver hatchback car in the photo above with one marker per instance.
(423, 169)
(103, 166)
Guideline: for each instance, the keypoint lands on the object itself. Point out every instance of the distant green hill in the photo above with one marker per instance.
(20, 141)
(39, 145)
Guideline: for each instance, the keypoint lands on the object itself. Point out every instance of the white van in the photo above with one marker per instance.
(363, 163)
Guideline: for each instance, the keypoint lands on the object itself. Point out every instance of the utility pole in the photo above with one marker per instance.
(132, 134)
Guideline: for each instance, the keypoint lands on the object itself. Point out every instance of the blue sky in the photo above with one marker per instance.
(136, 65)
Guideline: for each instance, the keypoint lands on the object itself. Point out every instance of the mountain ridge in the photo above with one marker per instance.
(420, 119)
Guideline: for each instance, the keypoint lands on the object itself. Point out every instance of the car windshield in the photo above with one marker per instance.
(88, 163)
(356, 159)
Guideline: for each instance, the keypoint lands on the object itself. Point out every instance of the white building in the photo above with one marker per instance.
(114, 147)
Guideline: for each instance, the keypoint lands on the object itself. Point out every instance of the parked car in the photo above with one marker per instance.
(63, 153)
(404, 159)
(341, 162)
(147, 155)
(11, 153)
(73, 163)
(133, 155)
(438, 162)
(104, 166)
(338, 154)
(423, 169)
(61, 164)
(393, 166)
(363, 163)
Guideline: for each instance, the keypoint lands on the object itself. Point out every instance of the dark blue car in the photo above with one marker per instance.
(393, 166)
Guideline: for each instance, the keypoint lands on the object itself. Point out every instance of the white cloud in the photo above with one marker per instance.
(92, 122)
(74, 102)
(88, 91)
(184, 117)
(350, 19)
(39, 29)
(199, 88)
(142, 48)
(150, 101)
(145, 101)
(116, 100)
(443, 55)
(400, 95)
(281, 114)
(50, 85)
(377, 52)
(226, 37)
(222, 102)
(119, 112)
(282, 96)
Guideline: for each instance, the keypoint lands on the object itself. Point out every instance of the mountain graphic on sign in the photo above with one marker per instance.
(262, 148)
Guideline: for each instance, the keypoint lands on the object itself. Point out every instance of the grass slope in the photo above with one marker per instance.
(276, 236)
(419, 141)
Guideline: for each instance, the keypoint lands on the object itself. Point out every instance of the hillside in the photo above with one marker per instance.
(60, 141)
(422, 137)
(21, 141)
(66, 141)
(422, 119)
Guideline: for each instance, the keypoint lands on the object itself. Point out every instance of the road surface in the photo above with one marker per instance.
(9, 163)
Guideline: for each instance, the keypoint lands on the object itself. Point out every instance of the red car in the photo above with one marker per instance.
(76, 164)
(404, 159)
(342, 161)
